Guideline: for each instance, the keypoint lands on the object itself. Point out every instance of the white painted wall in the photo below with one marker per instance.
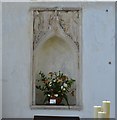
(116, 59)
(0, 60)
(98, 47)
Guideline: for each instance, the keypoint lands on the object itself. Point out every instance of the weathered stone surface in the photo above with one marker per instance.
(56, 46)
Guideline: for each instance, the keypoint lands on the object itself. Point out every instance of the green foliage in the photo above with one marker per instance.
(54, 84)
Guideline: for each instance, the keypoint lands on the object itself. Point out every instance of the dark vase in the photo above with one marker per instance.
(58, 99)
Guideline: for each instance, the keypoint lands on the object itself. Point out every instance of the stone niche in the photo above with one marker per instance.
(57, 46)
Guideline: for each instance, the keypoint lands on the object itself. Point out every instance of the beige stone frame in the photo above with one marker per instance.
(79, 104)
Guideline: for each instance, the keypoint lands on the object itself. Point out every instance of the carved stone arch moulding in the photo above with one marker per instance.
(64, 22)
(64, 25)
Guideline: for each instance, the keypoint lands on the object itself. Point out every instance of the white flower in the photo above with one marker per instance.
(48, 95)
(54, 81)
(64, 89)
(56, 95)
(61, 87)
(65, 85)
(50, 84)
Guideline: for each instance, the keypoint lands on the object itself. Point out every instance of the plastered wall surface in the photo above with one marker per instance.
(0, 60)
(98, 49)
(115, 59)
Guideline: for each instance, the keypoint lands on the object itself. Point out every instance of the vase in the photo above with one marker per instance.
(57, 99)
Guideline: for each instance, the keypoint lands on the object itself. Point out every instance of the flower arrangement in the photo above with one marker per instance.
(55, 85)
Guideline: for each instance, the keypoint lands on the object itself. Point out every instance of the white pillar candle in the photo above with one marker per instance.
(106, 108)
(96, 110)
(101, 114)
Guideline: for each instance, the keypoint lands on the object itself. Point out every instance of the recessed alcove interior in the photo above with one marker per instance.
(56, 54)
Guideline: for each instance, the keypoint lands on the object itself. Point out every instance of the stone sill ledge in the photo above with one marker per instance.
(56, 107)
